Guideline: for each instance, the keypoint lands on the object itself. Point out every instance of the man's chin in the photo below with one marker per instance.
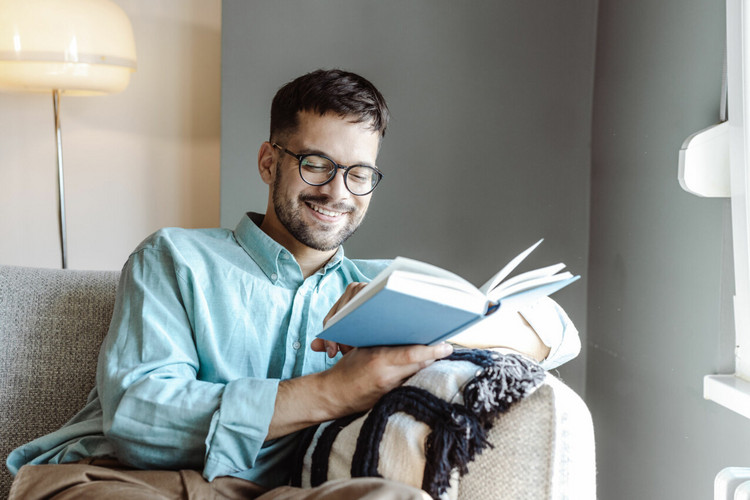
(327, 244)
(332, 238)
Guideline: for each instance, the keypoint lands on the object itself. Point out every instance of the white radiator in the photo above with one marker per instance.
(732, 483)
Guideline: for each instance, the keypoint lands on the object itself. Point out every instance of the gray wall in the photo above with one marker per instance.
(489, 144)
(489, 149)
(660, 259)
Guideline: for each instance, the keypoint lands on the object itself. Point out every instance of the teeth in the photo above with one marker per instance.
(324, 211)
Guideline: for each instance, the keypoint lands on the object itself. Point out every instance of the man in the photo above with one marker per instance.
(209, 366)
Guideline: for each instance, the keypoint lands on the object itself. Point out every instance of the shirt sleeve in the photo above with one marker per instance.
(555, 329)
(157, 412)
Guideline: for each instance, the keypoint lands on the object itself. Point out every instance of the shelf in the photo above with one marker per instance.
(729, 391)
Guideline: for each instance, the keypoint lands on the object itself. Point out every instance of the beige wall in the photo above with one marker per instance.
(134, 162)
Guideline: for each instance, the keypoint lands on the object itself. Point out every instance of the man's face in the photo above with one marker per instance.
(322, 217)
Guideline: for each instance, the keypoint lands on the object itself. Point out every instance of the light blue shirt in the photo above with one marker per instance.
(206, 324)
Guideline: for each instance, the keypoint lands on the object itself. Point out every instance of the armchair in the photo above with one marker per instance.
(53, 321)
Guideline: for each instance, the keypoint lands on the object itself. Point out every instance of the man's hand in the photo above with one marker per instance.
(363, 375)
(353, 384)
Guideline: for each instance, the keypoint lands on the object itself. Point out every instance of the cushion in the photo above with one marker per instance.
(425, 432)
(52, 322)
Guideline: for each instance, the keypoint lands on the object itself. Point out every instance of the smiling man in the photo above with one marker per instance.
(310, 213)
(209, 367)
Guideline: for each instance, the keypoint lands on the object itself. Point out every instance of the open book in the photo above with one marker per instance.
(411, 302)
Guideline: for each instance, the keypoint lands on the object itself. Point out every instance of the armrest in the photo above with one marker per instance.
(543, 449)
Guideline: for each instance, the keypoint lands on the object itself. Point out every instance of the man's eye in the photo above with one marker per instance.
(315, 162)
(360, 175)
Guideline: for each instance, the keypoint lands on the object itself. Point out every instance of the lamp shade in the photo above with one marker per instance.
(80, 47)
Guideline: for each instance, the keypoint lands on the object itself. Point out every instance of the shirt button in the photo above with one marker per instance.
(274, 277)
(296, 345)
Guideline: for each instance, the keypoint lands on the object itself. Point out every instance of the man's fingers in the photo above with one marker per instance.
(407, 360)
(420, 354)
(331, 348)
(318, 345)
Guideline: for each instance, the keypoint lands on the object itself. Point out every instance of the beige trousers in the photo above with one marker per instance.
(97, 479)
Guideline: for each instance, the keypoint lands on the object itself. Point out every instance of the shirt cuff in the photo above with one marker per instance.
(555, 329)
(240, 426)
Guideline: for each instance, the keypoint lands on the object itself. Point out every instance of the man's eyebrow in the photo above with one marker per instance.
(314, 151)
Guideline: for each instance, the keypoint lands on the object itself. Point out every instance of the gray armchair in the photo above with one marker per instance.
(52, 323)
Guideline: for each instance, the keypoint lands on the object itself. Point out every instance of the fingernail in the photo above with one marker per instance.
(330, 352)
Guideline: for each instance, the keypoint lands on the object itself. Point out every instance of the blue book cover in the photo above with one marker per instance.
(393, 317)
(411, 302)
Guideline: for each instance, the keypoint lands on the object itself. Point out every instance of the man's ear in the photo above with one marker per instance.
(267, 163)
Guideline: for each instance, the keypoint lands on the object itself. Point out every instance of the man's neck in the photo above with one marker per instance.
(310, 264)
(309, 259)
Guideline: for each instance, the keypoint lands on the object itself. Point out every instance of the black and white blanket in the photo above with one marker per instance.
(424, 433)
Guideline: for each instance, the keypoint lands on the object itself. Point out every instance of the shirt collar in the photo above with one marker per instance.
(269, 254)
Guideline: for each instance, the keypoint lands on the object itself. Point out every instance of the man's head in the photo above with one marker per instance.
(338, 92)
(332, 114)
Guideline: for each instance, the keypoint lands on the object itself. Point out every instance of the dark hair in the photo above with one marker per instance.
(328, 91)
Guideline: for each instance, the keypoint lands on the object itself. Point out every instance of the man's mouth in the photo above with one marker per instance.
(324, 211)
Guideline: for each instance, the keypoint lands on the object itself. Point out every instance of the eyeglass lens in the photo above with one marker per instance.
(318, 170)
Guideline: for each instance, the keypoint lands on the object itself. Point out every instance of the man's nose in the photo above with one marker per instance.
(336, 189)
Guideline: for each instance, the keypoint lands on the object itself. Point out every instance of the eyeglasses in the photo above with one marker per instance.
(318, 169)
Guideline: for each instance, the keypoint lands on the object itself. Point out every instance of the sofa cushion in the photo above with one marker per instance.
(51, 325)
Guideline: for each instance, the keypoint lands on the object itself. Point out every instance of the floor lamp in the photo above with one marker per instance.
(71, 47)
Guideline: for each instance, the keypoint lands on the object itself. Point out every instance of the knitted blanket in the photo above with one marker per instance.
(424, 433)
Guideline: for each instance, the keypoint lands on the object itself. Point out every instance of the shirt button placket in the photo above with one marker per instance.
(297, 333)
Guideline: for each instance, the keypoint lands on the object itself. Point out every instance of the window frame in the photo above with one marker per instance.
(733, 390)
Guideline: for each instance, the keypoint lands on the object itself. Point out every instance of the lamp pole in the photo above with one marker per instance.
(60, 179)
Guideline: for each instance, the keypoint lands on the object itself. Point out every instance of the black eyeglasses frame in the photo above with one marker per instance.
(301, 157)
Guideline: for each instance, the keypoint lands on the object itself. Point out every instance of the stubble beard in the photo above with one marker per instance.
(317, 237)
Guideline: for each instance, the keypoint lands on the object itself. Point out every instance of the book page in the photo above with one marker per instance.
(415, 266)
(509, 267)
(499, 294)
(528, 275)
(419, 283)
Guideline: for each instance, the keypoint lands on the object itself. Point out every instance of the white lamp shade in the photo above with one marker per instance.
(79, 47)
